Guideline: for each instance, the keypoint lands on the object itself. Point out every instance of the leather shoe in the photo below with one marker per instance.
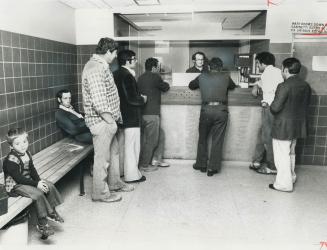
(203, 170)
(211, 172)
(143, 178)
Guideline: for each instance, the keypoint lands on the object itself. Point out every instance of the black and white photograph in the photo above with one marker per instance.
(163, 124)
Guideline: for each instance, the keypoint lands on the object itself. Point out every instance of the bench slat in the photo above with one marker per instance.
(14, 209)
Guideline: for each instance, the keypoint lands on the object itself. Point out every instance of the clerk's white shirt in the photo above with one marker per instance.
(270, 79)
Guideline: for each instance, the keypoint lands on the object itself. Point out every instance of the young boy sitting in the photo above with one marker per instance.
(21, 178)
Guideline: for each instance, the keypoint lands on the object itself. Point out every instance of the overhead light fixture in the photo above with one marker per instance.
(147, 2)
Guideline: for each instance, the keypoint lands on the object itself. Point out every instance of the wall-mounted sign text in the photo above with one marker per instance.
(309, 28)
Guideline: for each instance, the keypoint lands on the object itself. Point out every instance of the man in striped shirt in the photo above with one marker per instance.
(102, 113)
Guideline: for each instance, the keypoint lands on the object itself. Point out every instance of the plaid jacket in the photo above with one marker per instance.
(99, 91)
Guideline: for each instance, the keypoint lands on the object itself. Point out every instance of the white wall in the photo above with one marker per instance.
(280, 18)
(93, 24)
(47, 19)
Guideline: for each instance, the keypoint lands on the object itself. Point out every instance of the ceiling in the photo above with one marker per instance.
(118, 4)
(228, 20)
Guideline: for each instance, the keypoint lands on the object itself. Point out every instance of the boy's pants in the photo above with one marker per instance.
(44, 203)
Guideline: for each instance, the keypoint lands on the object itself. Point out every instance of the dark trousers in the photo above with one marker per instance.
(152, 140)
(264, 149)
(212, 119)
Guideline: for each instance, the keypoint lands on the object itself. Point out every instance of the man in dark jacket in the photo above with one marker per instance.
(71, 122)
(290, 110)
(199, 60)
(131, 102)
(214, 86)
(151, 84)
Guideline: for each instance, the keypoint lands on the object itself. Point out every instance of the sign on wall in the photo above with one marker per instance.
(309, 28)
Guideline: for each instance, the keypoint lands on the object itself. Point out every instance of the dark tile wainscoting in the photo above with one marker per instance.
(32, 70)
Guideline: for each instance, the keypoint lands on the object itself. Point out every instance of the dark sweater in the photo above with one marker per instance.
(213, 86)
(13, 169)
(151, 85)
(196, 70)
(70, 123)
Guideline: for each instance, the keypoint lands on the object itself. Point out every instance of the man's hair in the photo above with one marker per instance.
(266, 58)
(198, 53)
(216, 63)
(104, 45)
(62, 91)
(124, 56)
(150, 63)
(292, 64)
(14, 133)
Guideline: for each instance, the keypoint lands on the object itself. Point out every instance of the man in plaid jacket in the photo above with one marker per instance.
(102, 113)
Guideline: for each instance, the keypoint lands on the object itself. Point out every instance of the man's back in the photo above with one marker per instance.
(290, 109)
(151, 85)
(214, 86)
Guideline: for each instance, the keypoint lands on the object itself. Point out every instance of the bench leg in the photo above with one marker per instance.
(81, 179)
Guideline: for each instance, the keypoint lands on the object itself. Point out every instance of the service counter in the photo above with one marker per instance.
(180, 112)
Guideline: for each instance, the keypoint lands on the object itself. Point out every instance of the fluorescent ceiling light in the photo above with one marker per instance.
(147, 2)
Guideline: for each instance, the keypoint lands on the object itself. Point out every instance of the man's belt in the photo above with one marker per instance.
(264, 104)
(214, 103)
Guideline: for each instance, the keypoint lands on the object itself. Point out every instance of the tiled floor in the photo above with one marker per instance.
(180, 208)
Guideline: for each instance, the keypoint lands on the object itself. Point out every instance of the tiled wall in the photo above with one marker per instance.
(32, 70)
(84, 53)
(313, 149)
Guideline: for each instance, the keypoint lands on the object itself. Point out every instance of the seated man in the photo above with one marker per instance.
(71, 122)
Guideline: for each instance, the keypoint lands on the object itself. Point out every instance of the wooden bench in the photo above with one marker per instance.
(51, 163)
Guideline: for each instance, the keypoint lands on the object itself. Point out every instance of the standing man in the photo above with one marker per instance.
(270, 78)
(289, 108)
(131, 102)
(151, 85)
(102, 112)
(198, 59)
(213, 87)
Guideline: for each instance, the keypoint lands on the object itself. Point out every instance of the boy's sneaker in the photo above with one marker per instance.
(55, 217)
(45, 230)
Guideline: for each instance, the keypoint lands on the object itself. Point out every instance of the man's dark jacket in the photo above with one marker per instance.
(196, 70)
(151, 85)
(290, 108)
(130, 98)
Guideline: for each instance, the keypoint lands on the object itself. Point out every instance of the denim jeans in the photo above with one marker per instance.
(106, 159)
(264, 149)
(43, 203)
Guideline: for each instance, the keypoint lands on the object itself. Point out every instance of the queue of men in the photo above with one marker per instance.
(122, 116)
(285, 101)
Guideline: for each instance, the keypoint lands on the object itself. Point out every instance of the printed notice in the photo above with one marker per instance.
(309, 28)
